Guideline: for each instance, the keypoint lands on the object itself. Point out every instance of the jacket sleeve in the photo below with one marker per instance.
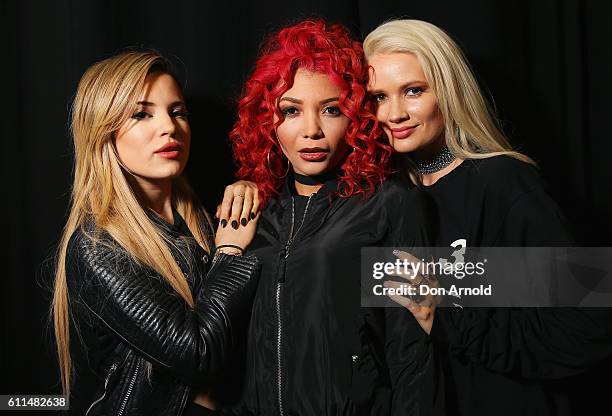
(536, 343)
(136, 304)
(413, 368)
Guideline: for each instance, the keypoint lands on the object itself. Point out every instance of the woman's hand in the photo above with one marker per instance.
(241, 237)
(422, 309)
(240, 204)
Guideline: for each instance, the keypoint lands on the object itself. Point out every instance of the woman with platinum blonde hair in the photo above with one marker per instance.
(136, 272)
(502, 361)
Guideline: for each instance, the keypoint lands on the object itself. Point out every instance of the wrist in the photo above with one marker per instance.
(232, 249)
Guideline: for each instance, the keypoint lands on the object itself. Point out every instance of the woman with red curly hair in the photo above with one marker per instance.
(306, 136)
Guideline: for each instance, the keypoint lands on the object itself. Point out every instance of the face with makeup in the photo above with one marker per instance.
(312, 134)
(153, 144)
(406, 105)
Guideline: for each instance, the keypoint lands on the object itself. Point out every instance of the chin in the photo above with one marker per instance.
(406, 145)
(169, 174)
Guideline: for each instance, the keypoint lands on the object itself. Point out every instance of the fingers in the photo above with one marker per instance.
(419, 268)
(247, 206)
(237, 204)
(404, 255)
(423, 314)
(255, 208)
(426, 301)
(226, 206)
(240, 236)
(240, 204)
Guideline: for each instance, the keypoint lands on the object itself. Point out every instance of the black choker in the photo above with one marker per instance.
(438, 162)
(314, 179)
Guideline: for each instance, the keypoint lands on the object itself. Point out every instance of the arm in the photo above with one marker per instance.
(137, 305)
(537, 343)
(413, 369)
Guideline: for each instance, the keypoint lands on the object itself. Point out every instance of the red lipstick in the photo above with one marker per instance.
(170, 150)
(403, 132)
(313, 154)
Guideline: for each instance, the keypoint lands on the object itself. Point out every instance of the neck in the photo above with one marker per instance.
(428, 151)
(432, 178)
(307, 190)
(156, 195)
(309, 184)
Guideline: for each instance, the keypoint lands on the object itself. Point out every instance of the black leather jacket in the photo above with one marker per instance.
(150, 349)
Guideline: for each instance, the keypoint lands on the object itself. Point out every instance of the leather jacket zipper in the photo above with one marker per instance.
(279, 319)
(129, 390)
(112, 369)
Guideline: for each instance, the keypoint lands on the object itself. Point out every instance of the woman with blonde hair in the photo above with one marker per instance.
(496, 360)
(136, 270)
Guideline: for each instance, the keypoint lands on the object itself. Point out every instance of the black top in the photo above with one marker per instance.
(499, 201)
(507, 361)
(312, 349)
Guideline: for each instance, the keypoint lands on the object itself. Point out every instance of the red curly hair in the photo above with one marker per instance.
(318, 47)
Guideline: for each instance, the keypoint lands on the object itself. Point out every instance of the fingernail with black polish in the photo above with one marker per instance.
(223, 223)
(243, 222)
(235, 225)
(252, 215)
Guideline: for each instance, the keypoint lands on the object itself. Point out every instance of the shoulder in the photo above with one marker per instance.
(504, 171)
(399, 197)
(399, 190)
(503, 176)
(89, 246)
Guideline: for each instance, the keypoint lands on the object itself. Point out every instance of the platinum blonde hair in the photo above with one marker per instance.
(471, 127)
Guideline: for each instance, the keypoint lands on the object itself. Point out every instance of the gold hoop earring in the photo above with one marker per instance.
(270, 168)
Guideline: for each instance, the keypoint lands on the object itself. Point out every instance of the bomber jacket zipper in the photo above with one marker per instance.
(130, 388)
(112, 369)
(279, 319)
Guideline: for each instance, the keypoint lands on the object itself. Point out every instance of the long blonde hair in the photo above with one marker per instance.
(471, 127)
(105, 99)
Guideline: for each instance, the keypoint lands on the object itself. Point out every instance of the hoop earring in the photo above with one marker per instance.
(272, 172)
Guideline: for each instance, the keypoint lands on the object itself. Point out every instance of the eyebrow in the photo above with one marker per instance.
(296, 101)
(150, 104)
(403, 86)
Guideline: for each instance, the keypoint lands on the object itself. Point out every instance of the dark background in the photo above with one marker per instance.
(544, 62)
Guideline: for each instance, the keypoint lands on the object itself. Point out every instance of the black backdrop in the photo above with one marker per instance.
(543, 61)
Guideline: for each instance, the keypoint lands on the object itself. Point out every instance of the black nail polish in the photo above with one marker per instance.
(243, 222)
(235, 225)
(223, 223)
(252, 215)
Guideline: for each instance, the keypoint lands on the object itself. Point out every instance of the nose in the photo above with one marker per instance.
(397, 111)
(312, 127)
(167, 125)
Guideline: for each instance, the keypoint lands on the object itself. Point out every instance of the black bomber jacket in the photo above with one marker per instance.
(312, 350)
(149, 349)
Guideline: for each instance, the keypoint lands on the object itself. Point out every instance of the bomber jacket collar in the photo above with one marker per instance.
(329, 189)
(320, 207)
